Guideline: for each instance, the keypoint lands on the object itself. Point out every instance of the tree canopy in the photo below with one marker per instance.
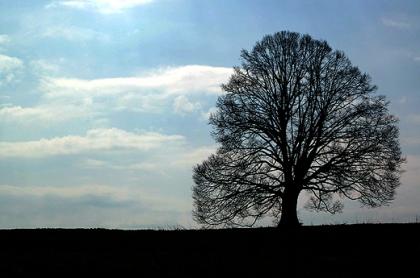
(296, 117)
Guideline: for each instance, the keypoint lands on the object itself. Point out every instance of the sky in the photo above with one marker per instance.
(104, 104)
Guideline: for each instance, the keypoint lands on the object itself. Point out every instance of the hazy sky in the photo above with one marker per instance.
(104, 103)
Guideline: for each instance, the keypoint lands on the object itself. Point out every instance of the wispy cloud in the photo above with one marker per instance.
(93, 140)
(65, 191)
(182, 157)
(44, 67)
(102, 164)
(4, 39)
(73, 33)
(394, 23)
(417, 59)
(101, 6)
(9, 67)
(194, 156)
(43, 114)
(182, 105)
(206, 115)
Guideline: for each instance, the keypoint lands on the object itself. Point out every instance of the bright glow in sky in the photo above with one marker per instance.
(104, 103)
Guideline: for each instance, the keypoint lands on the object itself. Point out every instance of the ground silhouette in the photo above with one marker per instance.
(309, 251)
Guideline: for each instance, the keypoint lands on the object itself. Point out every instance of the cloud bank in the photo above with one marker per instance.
(171, 81)
(65, 99)
(94, 140)
(90, 205)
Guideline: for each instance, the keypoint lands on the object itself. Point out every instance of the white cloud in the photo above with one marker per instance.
(72, 33)
(100, 139)
(9, 66)
(43, 67)
(147, 92)
(8, 63)
(102, 164)
(64, 99)
(182, 158)
(143, 166)
(136, 194)
(169, 81)
(206, 115)
(43, 114)
(4, 39)
(416, 59)
(394, 23)
(101, 6)
(64, 191)
(182, 105)
(18, 112)
(93, 163)
(116, 193)
(192, 157)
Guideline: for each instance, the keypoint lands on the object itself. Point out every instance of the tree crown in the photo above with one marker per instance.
(297, 116)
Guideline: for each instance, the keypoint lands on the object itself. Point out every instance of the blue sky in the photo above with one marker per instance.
(104, 103)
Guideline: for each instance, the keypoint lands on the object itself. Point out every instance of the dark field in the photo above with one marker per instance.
(314, 251)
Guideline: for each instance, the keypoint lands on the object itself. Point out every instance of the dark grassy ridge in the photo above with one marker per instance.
(314, 251)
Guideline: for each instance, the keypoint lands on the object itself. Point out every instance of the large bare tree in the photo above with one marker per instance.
(297, 117)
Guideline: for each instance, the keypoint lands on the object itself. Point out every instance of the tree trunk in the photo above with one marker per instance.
(289, 209)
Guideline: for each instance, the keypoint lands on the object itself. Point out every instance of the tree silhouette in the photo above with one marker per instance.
(297, 117)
